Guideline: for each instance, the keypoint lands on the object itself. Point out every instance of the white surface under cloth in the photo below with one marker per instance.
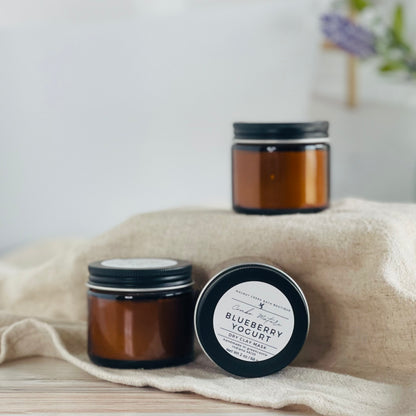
(355, 262)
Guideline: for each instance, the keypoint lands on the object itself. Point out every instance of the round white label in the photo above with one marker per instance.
(253, 321)
(139, 263)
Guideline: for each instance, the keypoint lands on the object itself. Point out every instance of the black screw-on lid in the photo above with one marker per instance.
(281, 130)
(246, 299)
(139, 274)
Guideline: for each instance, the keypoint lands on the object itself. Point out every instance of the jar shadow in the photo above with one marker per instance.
(319, 342)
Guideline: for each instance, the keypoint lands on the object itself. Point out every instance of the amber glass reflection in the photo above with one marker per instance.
(278, 178)
(140, 330)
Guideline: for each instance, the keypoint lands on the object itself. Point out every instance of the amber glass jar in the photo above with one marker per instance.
(280, 168)
(140, 313)
(251, 318)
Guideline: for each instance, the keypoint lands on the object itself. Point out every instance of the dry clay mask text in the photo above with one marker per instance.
(253, 321)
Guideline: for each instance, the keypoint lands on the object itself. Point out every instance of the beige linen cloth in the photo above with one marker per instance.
(356, 263)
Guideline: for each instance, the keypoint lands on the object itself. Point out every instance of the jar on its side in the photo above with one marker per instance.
(251, 319)
(281, 168)
(140, 313)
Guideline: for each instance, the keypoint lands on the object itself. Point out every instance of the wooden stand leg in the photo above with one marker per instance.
(351, 81)
(352, 72)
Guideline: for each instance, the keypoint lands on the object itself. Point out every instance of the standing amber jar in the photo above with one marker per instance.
(280, 168)
(140, 313)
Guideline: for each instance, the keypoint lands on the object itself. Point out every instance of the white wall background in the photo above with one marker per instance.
(109, 108)
(374, 145)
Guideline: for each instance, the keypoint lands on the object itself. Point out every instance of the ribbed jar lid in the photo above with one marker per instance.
(141, 274)
(252, 131)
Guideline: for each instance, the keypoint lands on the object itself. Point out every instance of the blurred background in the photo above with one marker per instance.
(109, 108)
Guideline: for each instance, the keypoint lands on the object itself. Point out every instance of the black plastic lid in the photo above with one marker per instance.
(281, 130)
(240, 307)
(139, 273)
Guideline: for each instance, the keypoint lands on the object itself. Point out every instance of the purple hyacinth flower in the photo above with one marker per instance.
(348, 36)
